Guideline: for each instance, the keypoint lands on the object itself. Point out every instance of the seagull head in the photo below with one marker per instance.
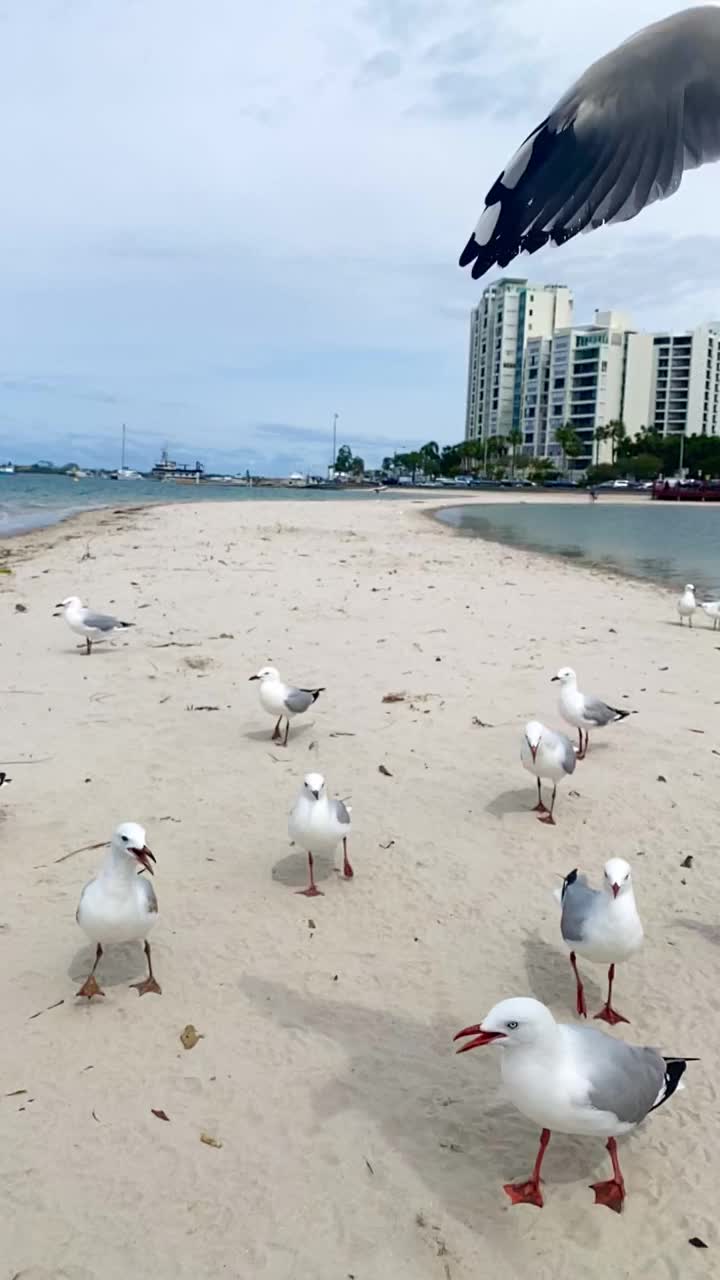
(314, 785)
(534, 731)
(518, 1021)
(565, 675)
(266, 673)
(129, 839)
(70, 602)
(618, 876)
(690, 586)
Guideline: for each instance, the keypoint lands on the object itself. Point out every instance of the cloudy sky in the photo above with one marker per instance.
(222, 222)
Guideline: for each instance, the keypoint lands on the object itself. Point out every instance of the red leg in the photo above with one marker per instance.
(539, 807)
(312, 890)
(580, 1004)
(607, 1013)
(612, 1192)
(529, 1192)
(149, 984)
(90, 986)
(287, 730)
(548, 817)
(347, 869)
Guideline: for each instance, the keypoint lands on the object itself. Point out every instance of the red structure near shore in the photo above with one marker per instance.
(686, 490)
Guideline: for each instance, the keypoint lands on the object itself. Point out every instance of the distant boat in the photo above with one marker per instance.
(125, 473)
(7, 470)
(168, 469)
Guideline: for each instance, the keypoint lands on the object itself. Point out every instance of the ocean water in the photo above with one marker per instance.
(666, 542)
(31, 502)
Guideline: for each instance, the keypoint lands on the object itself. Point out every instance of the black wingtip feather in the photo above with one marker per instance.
(674, 1071)
(570, 878)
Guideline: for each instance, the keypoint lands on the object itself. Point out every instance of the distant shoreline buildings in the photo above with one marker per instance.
(532, 370)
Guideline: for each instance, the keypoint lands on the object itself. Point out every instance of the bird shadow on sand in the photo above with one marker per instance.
(293, 869)
(551, 979)
(442, 1115)
(265, 735)
(120, 964)
(519, 800)
(711, 932)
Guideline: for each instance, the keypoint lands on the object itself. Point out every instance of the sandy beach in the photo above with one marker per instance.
(354, 1144)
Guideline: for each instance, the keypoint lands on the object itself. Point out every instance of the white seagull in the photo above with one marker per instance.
(687, 604)
(546, 754)
(318, 824)
(603, 926)
(584, 712)
(573, 1080)
(119, 905)
(711, 609)
(619, 139)
(92, 626)
(282, 700)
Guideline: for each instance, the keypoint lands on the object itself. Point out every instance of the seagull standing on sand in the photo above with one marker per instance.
(119, 905)
(318, 824)
(687, 604)
(619, 139)
(574, 1080)
(546, 754)
(282, 700)
(93, 626)
(584, 712)
(603, 926)
(711, 609)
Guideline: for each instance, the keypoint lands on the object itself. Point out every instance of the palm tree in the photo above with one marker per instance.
(430, 454)
(570, 443)
(515, 439)
(600, 435)
(618, 433)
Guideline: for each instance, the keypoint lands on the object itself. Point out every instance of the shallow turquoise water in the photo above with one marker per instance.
(664, 542)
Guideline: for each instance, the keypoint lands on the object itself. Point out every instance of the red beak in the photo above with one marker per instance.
(145, 856)
(533, 750)
(616, 889)
(481, 1037)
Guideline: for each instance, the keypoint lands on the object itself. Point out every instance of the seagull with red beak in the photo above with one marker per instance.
(546, 754)
(573, 1080)
(119, 905)
(602, 925)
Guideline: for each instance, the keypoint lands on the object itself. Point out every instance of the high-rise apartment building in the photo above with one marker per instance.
(511, 312)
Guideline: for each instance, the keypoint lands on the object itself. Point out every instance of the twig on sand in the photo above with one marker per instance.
(83, 849)
(50, 1006)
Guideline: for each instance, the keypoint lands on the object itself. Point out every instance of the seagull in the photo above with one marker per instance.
(574, 1080)
(584, 712)
(547, 754)
(620, 138)
(318, 823)
(687, 604)
(117, 906)
(712, 610)
(93, 626)
(281, 700)
(602, 925)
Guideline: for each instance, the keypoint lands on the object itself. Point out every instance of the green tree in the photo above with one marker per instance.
(430, 454)
(343, 458)
(451, 458)
(644, 466)
(601, 472)
(357, 466)
(542, 469)
(617, 434)
(571, 445)
(515, 440)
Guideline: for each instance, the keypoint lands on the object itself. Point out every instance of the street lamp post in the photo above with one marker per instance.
(334, 451)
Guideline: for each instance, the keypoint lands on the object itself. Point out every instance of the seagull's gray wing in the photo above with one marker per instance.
(146, 888)
(102, 621)
(340, 812)
(578, 903)
(299, 700)
(569, 759)
(625, 1079)
(599, 712)
(618, 140)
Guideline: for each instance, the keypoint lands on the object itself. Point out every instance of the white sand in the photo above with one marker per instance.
(354, 1142)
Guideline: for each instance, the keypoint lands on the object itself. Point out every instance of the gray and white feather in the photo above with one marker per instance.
(620, 138)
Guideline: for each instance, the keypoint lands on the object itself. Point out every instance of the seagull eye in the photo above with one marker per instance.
(512, 1026)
